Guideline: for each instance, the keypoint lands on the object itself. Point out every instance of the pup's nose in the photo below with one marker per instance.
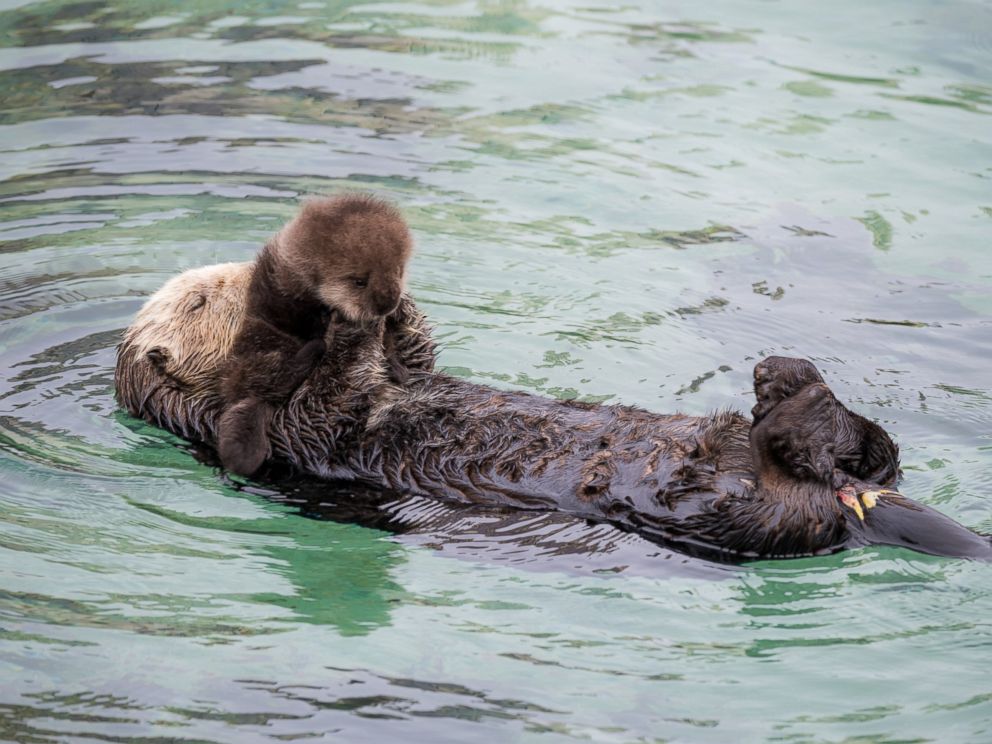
(385, 303)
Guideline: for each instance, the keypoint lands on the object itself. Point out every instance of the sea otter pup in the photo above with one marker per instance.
(713, 486)
(342, 257)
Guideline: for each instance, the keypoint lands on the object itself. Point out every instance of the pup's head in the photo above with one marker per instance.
(352, 250)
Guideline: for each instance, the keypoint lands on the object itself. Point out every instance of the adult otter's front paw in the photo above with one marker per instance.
(777, 378)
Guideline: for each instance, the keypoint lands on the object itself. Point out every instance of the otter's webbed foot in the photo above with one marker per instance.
(797, 437)
(862, 448)
(865, 450)
(777, 378)
(242, 440)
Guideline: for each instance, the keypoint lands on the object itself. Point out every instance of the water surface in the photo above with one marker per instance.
(629, 203)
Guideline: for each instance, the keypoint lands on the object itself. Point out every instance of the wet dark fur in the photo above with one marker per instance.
(340, 257)
(860, 447)
(711, 486)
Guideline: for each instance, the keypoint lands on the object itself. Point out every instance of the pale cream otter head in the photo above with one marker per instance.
(182, 334)
(352, 250)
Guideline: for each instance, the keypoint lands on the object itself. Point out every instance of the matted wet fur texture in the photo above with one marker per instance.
(686, 482)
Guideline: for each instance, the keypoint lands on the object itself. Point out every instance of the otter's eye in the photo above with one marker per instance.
(360, 281)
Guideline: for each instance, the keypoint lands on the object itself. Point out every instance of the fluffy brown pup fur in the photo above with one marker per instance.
(340, 259)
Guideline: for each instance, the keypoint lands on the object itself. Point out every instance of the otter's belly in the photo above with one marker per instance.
(453, 440)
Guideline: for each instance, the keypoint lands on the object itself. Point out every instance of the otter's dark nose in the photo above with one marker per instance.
(385, 303)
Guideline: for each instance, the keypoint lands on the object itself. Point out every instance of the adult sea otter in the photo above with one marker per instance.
(808, 477)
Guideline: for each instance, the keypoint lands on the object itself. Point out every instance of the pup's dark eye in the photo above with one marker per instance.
(360, 281)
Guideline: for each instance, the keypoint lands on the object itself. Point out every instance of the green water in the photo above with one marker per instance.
(627, 202)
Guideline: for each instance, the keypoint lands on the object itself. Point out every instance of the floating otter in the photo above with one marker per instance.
(712, 486)
(344, 256)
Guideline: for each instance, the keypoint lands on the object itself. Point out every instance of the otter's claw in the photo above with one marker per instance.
(848, 498)
(870, 498)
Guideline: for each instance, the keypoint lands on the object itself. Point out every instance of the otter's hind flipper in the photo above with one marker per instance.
(862, 448)
(242, 436)
(865, 450)
(798, 436)
(777, 378)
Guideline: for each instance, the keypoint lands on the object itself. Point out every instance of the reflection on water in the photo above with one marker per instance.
(537, 540)
(612, 202)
